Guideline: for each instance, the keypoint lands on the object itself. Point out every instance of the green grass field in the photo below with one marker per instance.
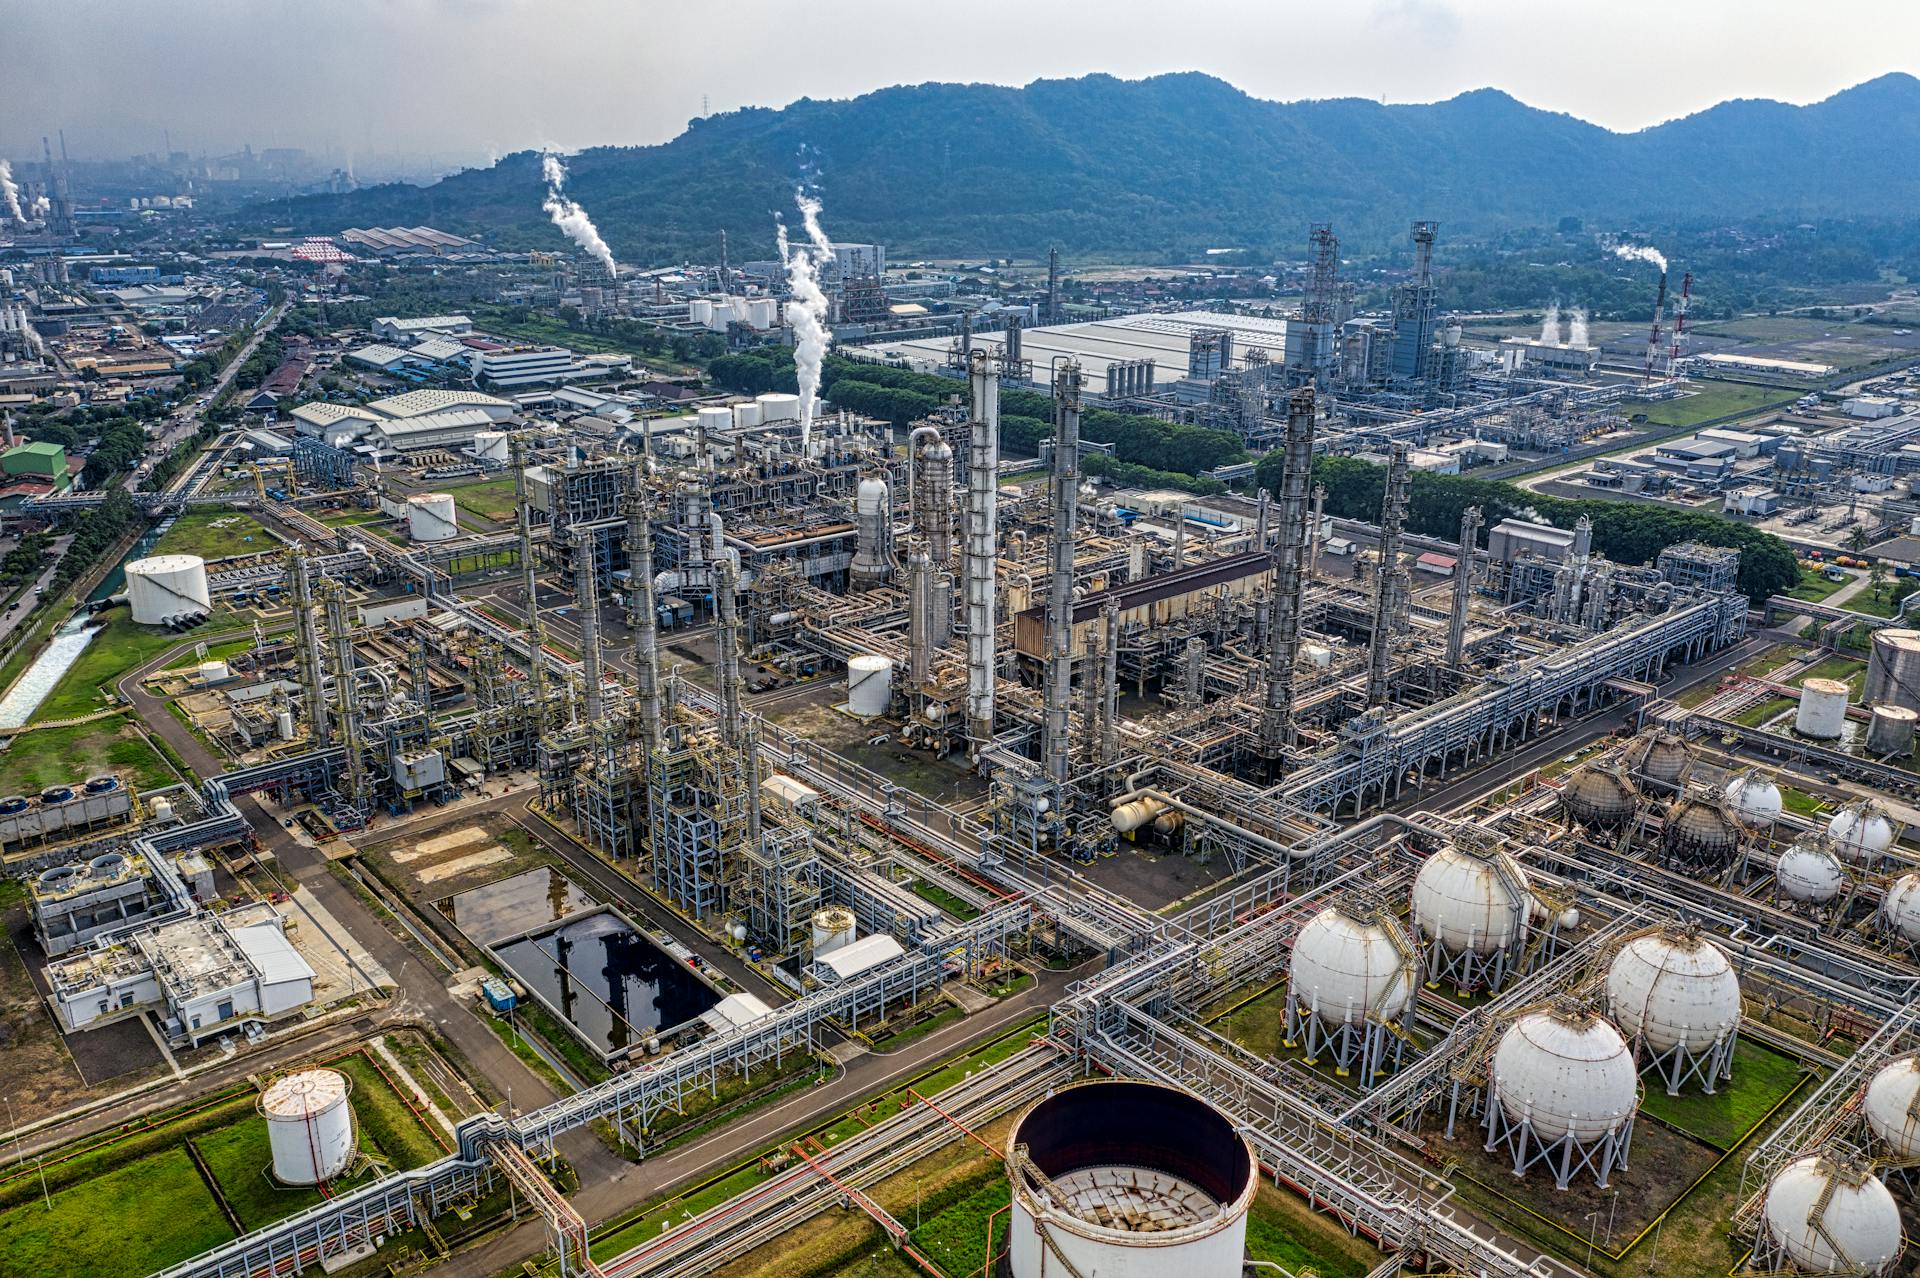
(146, 1215)
(1813, 587)
(1716, 399)
(1762, 1078)
(117, 650)
(240, 1158)
(215, 534)
(36, 759)
(489, 499)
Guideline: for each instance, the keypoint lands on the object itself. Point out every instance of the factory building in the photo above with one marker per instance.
(405, 332)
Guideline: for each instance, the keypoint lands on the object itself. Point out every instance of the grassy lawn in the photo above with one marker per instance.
(1813, 587)
(944, 899)
(1846, 669)
(1715, 399)
(115, 651)
(1761, 1079)
(240, 1160)
(1872, 605)
(42, 757)
(1761, 711)
(146, 1215)
(384, 1118)
(215, 534)
(489, 498)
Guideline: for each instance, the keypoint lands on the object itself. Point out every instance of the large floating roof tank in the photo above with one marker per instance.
(1832, 1217)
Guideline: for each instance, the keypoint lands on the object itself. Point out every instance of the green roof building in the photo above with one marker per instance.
(37, 461)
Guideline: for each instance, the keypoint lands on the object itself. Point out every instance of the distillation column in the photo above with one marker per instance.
(727, 641)
(1110, 684)
(642, 614)
(346, 691)
(1388, 583)
(1066, 513)
(536, 641)
(587, 599)
(1470, 520)
(306, 642)
(919, 616)
(873, 545)
(983, 546)
(1289, 580)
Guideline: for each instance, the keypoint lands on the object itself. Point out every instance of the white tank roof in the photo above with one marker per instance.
(301, 1095)
(1832, 1219)
(1673, 988)
(1754, 799)
(1861, 830)
(1471, 900)
(1345, 968)
(1568, 1073)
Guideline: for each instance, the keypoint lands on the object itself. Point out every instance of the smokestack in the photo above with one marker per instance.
(1462, 585)
(642, 613)
(1289, 580)
(1066, 511)
(1386, 602)
(983, 545)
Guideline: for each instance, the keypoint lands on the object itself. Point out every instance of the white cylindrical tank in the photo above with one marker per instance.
(713, 418)
(869, 684)
(1823, 709)
(1346, 968)
(746, 413)
(1891, 1109)
(309, 1126)
(1469, 899)
(1900, 908)
(161, 809)
(1809, 872)
(760, 312)
(167, 586)
(778, 406)
(1128, 1180)
(213, 671)
(431, 517)
(1134, 813)
(833, 927)
(1569, 1073)
(283, 724)
(492, 445)
(1890, 731)
(1893, 669)
(700, 310)
(1672, 988)
(1754, 799)
(1832, 1218)
(1861, 831)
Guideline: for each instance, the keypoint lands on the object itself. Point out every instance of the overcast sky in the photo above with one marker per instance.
(500, 75)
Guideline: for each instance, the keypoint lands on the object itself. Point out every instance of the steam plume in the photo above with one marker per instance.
(1550, 325)
(41, 206)
(11, 192)
(1577, 327)
(569, 216)
(1641, 253)
(807, 311)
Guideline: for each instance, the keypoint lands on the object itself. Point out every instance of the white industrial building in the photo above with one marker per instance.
(454, 428)
(418, 403)
(528, 366)
(407, 331)
(414, 422)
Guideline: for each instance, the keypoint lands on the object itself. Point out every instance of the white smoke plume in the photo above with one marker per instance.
(569, 216)
(41, 207)
(1577, 327)
(1550, 325)
(11, 192)
(807, 311)
(1641, 253)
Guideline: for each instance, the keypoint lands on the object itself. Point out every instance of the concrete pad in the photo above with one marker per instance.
(462, 864)
(442, 843)
(341, 965)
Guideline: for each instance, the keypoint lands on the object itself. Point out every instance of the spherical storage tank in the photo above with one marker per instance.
(1891, 1108)
(1661, 757)
(1900, 908)
(1823, 709)
(309, 1126)
(1893, 669)
(1597, 794)
(431, 517)
(1890, 731)
(1566, 1072)
(1128, 1180)
(1701, 832)
(869, 684)
(163, 587)
(1345, 968)
(1672, 988)
(1831, 1217)
(1470, 899)
(1754, 799)
(1861, 831)
(1809, 872)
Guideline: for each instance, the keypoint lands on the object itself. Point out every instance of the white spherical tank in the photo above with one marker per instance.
(1568, 1073)
(309, 1126)
(1754, 799)
(746, 413)
(1861, 831)
(1891, 1107)
(1832, 1218)
(166, 586)
(833, 927)
(1674, 988)
(778, 406)
(713, 418)
(1809, 872)
(1128, 1180)
(431, 517)
(1469, 899)
(869, 684)
(1346, 968)
(1900, 908)
(1891, 729)
(1823, 709)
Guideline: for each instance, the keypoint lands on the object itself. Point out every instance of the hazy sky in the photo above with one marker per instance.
(500, 75)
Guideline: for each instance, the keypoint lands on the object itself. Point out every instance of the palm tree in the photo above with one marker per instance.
(1857, 539)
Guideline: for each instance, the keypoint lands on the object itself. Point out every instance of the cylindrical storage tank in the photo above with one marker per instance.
(283, 724)
(309, 1126)
(713, 418)
(1346, 968)
(869, 684)
(1890, 731)
(760, 312)
(1568, 1073)
(1823, 709)
(1470, 899)
(165, 586)
(746, 413)
(778, 406)
(700, 310)
(1754, 799)
(833, 927)
(431, 517)
(1134, 1180)
(1831, 1217)
(1599, 795)
(492, 445)
(161, 809)
(1900, 908)
(1891, 1109)
(1893, 669)
(1861, 831)
(1808, 872)
(1673, 989)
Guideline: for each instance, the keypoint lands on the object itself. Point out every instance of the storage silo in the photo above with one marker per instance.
(309, 1126)
(1470, 908)
(1351, 979)
(164, 587)
(869, 684)
(1823, 709)
(1830, 1216)
(431, 517)
(1675, 994)
(833, 927)
(1128, 1180)
(1563, 1091)
(1893, 669)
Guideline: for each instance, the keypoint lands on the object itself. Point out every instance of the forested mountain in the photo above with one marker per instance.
(1162, 169)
